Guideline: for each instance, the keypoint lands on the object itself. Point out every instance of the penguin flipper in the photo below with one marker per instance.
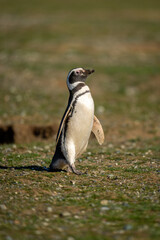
(98, 130)
(63, 121)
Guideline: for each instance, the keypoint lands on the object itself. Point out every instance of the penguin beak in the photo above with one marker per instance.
(88, 72)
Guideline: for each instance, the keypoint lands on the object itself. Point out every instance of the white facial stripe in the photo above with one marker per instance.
(73, 85)
(73, 70)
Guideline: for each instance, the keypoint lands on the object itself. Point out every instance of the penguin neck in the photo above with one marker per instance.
(77, 87)
(79, 90)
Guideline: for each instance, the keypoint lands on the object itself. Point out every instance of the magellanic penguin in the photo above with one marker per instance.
(77, 123)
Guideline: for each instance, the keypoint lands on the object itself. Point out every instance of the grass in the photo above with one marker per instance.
(36, 199)
(40, 42)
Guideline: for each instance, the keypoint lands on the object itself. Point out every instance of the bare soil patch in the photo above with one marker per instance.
(24, 133)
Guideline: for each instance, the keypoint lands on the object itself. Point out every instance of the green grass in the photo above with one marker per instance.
(131, 209)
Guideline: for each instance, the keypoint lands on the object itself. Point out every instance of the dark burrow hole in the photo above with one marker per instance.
(21, 134)
(43, 132)
(6, 134)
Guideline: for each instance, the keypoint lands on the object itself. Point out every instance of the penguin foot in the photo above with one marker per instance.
(69, 170)
(73, 169)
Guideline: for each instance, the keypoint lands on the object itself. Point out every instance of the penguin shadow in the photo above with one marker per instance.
(32, 168)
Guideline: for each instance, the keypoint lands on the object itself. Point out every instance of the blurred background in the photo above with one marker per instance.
(40, 41)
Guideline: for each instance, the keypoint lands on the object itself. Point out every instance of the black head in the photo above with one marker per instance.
(77, 75)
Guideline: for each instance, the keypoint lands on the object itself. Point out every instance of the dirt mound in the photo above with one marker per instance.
(24, 133)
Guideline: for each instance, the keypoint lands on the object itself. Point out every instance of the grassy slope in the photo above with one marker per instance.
(39, 42)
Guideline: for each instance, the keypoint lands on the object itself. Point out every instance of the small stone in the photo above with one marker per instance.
(46, 147)
(103, 209)
(112, 177)
(100, 109)
(125, 204)
(123, 146)
(9, 238)
(17, 222)
(72, 182)
(65, 214)
(110, 145)
(60, 229)
(38, 232)
(7, 150)
(127, 227)
(45, 224)
(83, 212)
(104, 202)
(70, 238)
(49, 209)
(3, 207)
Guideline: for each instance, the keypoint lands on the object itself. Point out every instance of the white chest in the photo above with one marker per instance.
(85, 102)
(80, 123)
(83, 112)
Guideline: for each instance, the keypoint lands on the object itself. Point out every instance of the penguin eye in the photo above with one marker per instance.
(77, 72)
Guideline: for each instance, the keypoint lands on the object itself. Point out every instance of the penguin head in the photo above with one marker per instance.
(76, 76)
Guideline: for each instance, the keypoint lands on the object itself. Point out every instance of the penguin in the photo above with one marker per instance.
(77, 123)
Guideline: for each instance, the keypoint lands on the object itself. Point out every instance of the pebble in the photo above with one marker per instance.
(65, 214)
(70, 238)
(60, 229)
(7, 150)
(49, 209)
(17, 222)
(123, 146)
(127, 227)
(103, 209)
(45, 224)
(3, 207)
(104, 202)
(125, 204)
(38, 232)
(110, 145)
(46, 147)
(72, 182)
(29, 151)
(112, 177)
(9, 238)
(100, 109)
